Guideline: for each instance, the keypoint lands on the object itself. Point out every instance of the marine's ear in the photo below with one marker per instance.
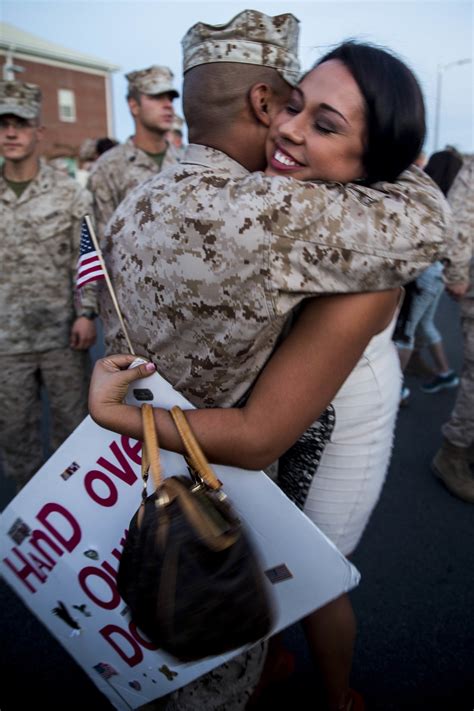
(260, 97)
(133, 105)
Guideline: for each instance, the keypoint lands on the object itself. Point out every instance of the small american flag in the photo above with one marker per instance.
(89, 267)
(105, 670)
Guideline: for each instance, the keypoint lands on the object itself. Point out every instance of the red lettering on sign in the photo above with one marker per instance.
(25, 572)
(125, 472)
(141, 640)
(75, 536)
(89, 480)
(120, 469)
(130, 650)
(34, 540)
(132, 450)
(40, 563)
(86, 573)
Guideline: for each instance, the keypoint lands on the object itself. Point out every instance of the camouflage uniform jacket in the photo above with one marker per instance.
(39, 248)
(461, 199)
(208, 261)
(116, 173)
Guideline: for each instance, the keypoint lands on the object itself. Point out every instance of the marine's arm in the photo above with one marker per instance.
(295, 387)
(335, 238)
(461, 200)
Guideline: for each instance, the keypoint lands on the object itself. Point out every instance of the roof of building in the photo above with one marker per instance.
(12, 38)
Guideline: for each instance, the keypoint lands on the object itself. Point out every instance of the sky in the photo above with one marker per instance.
(431, 36)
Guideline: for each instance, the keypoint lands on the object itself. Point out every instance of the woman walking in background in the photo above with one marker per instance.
(417, 321)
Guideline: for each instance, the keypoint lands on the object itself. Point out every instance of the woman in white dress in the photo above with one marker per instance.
(358, 116)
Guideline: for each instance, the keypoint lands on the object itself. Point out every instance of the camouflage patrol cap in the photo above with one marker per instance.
(88, 149)
(177, 124)
(153, 80)
(251, 37)
(20, 99)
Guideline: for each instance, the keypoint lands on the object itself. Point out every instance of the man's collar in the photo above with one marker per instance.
(196, 154)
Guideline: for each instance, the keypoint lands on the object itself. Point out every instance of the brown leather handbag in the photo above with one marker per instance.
(188, 572)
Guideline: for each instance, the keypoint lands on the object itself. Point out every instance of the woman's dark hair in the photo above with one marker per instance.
(443, 167)
(395, 111)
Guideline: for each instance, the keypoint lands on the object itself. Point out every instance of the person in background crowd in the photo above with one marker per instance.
(87, 155)
(453, 462)
(150, 99)
(64, 164)
(105, 144)
(44, 336)
(175, 135)
(423, 297)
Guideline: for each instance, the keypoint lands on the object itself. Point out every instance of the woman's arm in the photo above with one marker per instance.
(297, 384)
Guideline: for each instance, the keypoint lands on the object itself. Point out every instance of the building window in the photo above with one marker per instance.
(67, 105)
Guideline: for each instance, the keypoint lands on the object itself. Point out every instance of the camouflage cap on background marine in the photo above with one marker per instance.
(178, 123)
(20, 99)
(153, 80)
(251, 37)
(88, 149)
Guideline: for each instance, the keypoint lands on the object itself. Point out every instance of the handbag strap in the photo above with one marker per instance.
(197, 458)
(151, 451)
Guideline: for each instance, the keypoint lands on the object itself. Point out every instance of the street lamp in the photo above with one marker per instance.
(442, 68)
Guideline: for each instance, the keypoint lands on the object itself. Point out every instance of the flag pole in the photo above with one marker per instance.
(88, 222)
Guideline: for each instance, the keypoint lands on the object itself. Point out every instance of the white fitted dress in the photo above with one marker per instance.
(336, 470)
(354, 463)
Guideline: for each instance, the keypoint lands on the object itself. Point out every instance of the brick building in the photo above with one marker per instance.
(76, 88)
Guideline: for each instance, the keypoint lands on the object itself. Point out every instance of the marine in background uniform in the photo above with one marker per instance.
(454, 461)
(175, 134)
(150, 99)
(44, 334)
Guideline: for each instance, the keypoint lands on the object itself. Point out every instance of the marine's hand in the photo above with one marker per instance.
(83, 334)
(109, 384)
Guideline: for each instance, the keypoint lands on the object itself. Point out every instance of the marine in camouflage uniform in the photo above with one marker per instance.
(40, 215)
(209, 261)
(124, 167)
(452, 463)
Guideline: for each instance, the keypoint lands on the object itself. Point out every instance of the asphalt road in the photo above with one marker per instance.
(415, 603)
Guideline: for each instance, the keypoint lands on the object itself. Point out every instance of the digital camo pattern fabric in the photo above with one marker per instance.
(153, 81)
(461, 199)
(39, 249)
(208, 262)
(20, 99)
(65, 374)
(460, 428)
(226, 688)
(251, 37)
(116, 173)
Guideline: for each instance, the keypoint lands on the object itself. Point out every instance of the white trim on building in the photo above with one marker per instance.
(21, 42)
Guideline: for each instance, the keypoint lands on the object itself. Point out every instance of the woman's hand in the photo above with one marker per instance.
(109, 384)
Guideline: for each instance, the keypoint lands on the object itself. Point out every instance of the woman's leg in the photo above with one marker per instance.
(439, 357)
(404, 354)
(330, 633)
(430, 334)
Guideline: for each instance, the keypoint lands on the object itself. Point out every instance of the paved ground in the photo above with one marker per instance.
(415, 604)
